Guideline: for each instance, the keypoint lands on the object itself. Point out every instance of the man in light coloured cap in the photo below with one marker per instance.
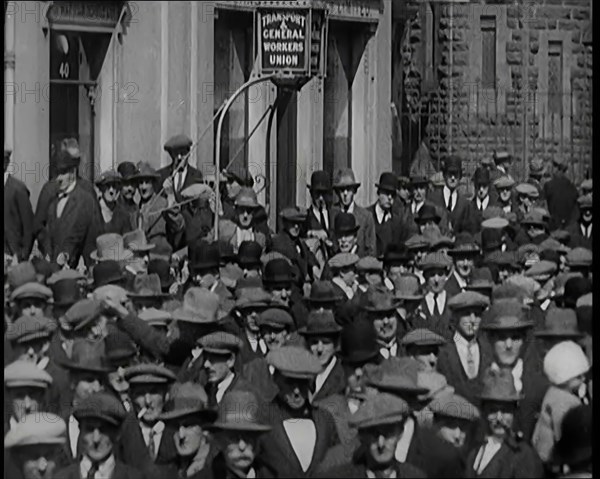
(34, 447)
(343, 271)
(436, 269)
(115, 218)
(300, 433)
(467, 355)
(345, 186)
(504, 186)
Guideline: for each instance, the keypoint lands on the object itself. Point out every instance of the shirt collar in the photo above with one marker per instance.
(483, 202)
(158, 427)
(223, 385)
(447, 193)
(405, 440)
(350, 208)
(70, 188)
(43, 363)
(105, 469)
(347, 289)
(462, 283)
(380, 213)
(460, 340)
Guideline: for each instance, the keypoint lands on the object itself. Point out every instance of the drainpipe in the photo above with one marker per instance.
(9, 77)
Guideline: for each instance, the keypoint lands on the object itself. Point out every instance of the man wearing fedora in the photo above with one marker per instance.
(242, 228)
(178, 147)
(127, 194)
(18, 215)
(388, 228)
(483, 198)
(464, 254)
(561, 195)
(73, 219)
(501, 453)
(449, 198)
(464, 359)
(147, 292)
(100, 417)
(345, 187)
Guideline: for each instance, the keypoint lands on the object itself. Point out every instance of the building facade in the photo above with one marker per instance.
(122, 77)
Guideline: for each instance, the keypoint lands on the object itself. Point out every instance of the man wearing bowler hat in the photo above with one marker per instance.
(18, 215)
(73, 216)
(482, 198)
(459, 211)
(388, 228)
(320, 220)
(345, 233)
(204, 262)
(178, 147)
(346, 186)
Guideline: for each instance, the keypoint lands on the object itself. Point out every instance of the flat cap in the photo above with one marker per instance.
(178, 142)
(379, 410)
(585, 202)
(102, 406)
(343, 260)
(64, 274)
(82, 313)
(31, 290)
(506, 314)
(27, 328)
(25, 373)
(252, 298)
(416, 242)
(155, 316)
(422, 337)
(369, 264)
(554, 245)
(197, 190)
(435, 261)
(276, 318)
(149, 374)
(535, 217)
(21, 273)
(294, 362)
(504, 182)
(541, 268)
(585, 300)
(220, 342)
(496, 223)
(579, 257)
(294, 214)
(529, 285)
(108, 177)
(320, 323)
(527, 189)
(468, 299)
(37, 429)
(454, 406)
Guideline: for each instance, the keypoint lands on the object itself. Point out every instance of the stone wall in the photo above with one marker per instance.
(519, 114)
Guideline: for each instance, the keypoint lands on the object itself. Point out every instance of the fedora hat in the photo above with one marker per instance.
(278, 272)
(110, 246)
(481, 177)
(107, 272)
(323, 291)
(399, 375)
(499, 385)
(144, 171)
(559, 323)
(246, 198)
(66, 292)
(358, 342)
(136, 241)
(345, 224)
(320, 181)
(109, 177)
(481, 280)
(428, 213)
(379, 299)
(88, 356)
(249, 254)
(238, 411)
(200, 306)
(505, 314)
(188, 399)
(452, 164)
(147, 286)
(204, 255)
(320, 323)
(388, 181)
(396, 255)
(344, 178)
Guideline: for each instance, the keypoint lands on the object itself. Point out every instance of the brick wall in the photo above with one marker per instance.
(540, 48)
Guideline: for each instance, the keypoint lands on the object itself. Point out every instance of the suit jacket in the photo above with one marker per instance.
(18, 219)
(165, 226)
(59, 393)
(334, 384)
(577, 239)
(461, 217)
(450, 366)
(452, 287)
(121, 471)
(303, 260)
(257, 373)
(366, 238)
(122, 221)
(437, 323)
(476, 214)
(358, 469)
(561, 197)
(193, 176)
(337, 406)
(76, 230)
(394, 231)
(514, 461)
(314, 222)
(433, 455)
(275, 445)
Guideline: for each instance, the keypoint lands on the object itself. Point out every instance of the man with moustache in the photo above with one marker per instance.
(319, 221)
(345, 186)
(380, 424)
(506, 201)
(115, 218)
(345, 233)
(464, 359)
(300, 433)
(501, 453)
(242, 228)
(31, 299)
(126, 198)
(100, 417)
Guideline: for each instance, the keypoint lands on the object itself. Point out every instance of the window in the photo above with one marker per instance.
(488, 52)
(555, 74)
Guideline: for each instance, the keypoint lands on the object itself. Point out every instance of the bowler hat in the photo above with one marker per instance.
(452, 164)
(249, 253)
(178, 142)
(345, 224)
(388, 181)
(499, 385)
(238, 411)
(136, 241)
(322, 291)
(110, 246)
(481, 177)
(188, 400)
(107, 272)
(278, 272)
(396, 255)
(416, 180)
(359, 342)
(428, 213)
(454, 406)
(87, 356)
(103, 406)
(344, 177)
(67, 160)
(379, 299)
(320, 181)
(559, 323)
(380, 410)
(127, 170)
(320, 323)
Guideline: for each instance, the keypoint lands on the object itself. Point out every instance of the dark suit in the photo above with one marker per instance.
(514, 461)
(313, 222)
(18, 219)
(122, 221)
(433, 455)
(121, 471)
(452, 287)
(435, 322)
(257, 373)
(365, 236)
(76, 230)
(392, 231)
(218, 470)
(578, 240)
(477, 214)
(461, 217)
(303, 260)
(561, 197)
(277, 450)
(192, 176)
(334, 384)
(535, 385)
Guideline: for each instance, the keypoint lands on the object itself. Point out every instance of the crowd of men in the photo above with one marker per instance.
(426, 335)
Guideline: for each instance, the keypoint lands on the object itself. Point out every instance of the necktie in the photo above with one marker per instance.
(471, 370)
(151, 445)
(450, 202)
(211, 392)
(92, 472)
(322, 219)
(436, 307)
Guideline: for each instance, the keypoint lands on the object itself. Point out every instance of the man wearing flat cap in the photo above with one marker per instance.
(463, 359)
(346, 186)
(73, 216)
(181, 173)
(18, 215)
(506, 200)
(464, 253)
(300, 433)
(100, 417)
(30, 299)
(581, 230)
